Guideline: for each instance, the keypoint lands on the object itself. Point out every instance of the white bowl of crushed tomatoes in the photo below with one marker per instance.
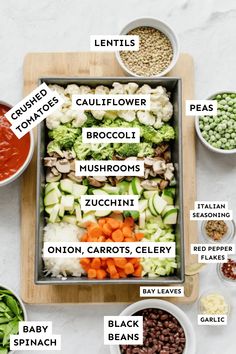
(15, 154)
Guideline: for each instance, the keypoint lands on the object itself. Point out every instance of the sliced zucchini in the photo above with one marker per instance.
(78, 190)
(71, 219)
(68, 202)
(151, 206)
(123, 187)
(158, 203)
(142, 218)
(110, 189)
(136, 186)
(66, 185)
(48, 209)
(78, 213)
(102, 213)
(170, 217)
(87, 219)
(149, 194)
(50, 186)
(54, 213)
(61, 211)
(143, 204)
(168, 196)
(51, 198)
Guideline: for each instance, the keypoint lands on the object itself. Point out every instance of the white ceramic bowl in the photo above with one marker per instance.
(190, 347)
(162, 27)
(199, 134)
(21, 304)
(27, 161)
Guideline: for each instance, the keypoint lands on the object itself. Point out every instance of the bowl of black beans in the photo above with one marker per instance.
(166, 329)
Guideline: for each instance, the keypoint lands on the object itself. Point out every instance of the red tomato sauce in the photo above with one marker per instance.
(13, 151)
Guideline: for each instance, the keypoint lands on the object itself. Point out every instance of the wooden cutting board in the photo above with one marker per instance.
(38, 65)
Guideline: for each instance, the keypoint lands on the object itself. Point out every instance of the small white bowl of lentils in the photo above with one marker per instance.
(158, 49)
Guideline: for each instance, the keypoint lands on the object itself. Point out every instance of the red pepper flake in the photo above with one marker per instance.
(229, 269)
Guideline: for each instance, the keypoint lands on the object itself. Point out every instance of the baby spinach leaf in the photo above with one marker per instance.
(12, 304)
(11, 328)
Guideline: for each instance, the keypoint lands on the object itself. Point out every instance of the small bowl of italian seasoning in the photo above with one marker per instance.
(218, 231)
(158, 49)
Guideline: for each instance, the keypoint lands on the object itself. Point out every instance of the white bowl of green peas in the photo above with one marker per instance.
(218, 133)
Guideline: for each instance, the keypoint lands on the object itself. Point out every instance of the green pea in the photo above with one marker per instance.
(232, 95)
(223, 140)
(205, 119)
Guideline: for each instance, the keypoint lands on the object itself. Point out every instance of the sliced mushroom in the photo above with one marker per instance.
(55, 171)
(50, 161)
(93, 182)
(72, 165)
(69, 155)
(112, 180)
(63, 166)
(161, 149)
(163, 184)
(119, 178)
(149, 185)
(149, 161)
(167, 156)
(159, 166)
(168, 175)
(146, 172)
(100, 178)
(131, 158)
(50, 177)
(74, 178)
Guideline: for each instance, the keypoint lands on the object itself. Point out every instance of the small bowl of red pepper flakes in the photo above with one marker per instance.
(227, 271)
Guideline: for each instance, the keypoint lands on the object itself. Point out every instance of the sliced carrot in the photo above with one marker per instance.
(115, 275)
(122, 273)
(117, 236)
(85, 261)
(138, 271)
(115, 224)
(96, 263)
(95, 231)
(127, 232)
(101, 239)
(120, 262)
(107, 230)
(139, 236)
(129, 239)
(92, 273)
(101, 221)
(129, 268)
(134, 260)
(101, 274)
(109, 240)
(84, 238)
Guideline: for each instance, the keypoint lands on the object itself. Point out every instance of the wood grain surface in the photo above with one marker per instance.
(38, 65)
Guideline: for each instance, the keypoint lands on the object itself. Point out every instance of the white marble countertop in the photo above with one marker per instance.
(207, 31)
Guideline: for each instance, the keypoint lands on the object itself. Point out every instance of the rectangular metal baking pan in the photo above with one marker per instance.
(173, 85)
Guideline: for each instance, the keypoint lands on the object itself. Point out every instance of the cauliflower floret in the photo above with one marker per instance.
(159, 90)
(53, 120)
(158, 123)
(72, 89)
(129, 116)
(131, 88)
(79, 118)
(145, 89)
(85, 90)
(146, 117)
(101, 90)
(98, 114)
(57, 88)
(117, 88)
(167, 112)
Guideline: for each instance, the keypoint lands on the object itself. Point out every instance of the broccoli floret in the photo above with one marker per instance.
(145, 150)
(157, 136)
(102, 152)
(127, 149)
(82, 150)
(65, 136)
(53, 146)
(167, 132)
(140, 150)
(91, 121)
